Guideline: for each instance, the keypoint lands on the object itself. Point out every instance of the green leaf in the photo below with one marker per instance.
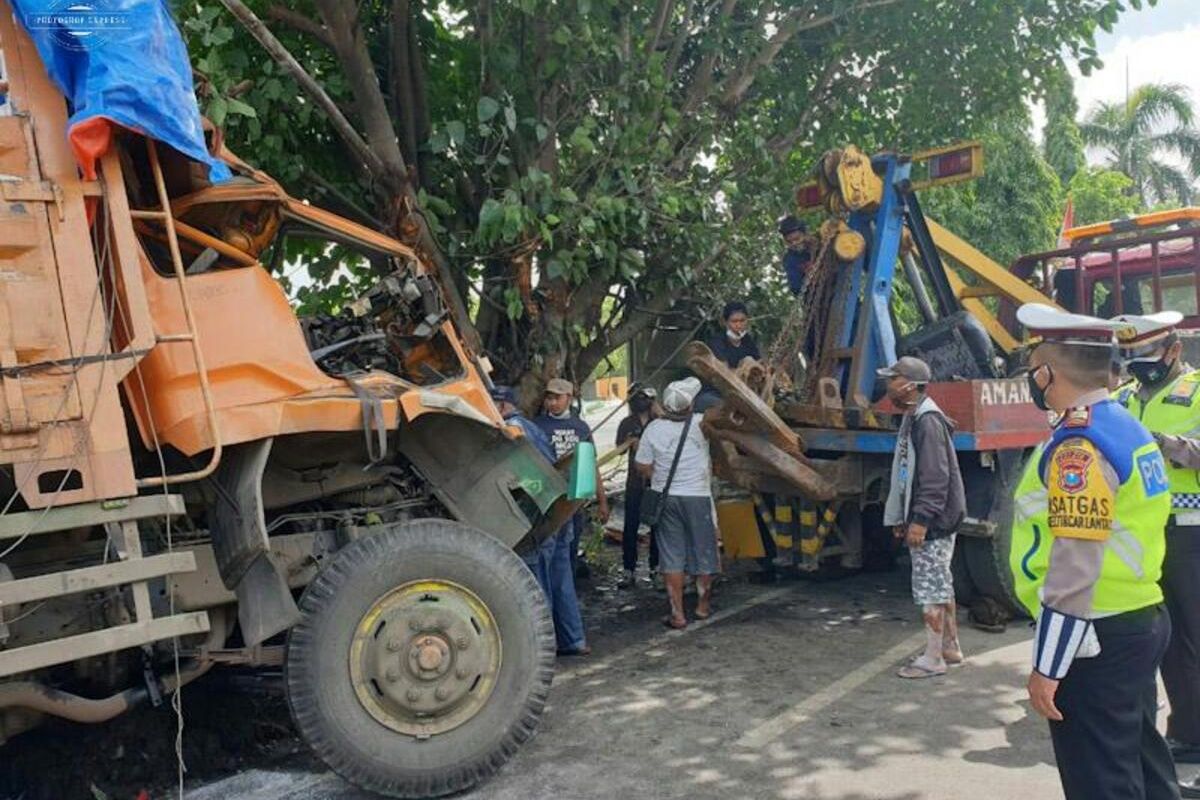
(513, 305)
(439, 142)
(457, 132)
(236, 106)
(542, 132)
(487, 108)
(217, 109)
(510, 117)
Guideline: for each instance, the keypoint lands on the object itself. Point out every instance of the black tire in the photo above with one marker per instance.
(329, 714)
(981, 565)
(987, 561)
(879, 545)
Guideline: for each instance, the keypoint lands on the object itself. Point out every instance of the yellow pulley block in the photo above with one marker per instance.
(861, 188)
(849, 245)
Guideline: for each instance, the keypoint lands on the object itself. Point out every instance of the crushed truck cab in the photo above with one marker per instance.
(193, 475)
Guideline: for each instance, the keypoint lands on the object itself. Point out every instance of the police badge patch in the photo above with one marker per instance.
(1182, 393)
(1072, 463)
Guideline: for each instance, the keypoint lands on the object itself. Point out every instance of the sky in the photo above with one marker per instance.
(1159, 44)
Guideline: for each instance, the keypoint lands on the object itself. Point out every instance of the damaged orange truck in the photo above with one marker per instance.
(193, 477)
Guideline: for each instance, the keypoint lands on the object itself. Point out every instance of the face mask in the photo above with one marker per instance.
(1037, 392)
(902, 397)
(1151, 373)
(878, 390)
(735, 335)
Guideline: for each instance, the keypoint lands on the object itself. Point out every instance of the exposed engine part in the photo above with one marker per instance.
(384, 513)
(380, 328)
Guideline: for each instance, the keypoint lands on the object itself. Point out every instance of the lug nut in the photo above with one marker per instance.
(393, 675)
(413, 625)
(441, 694)
(462, 673)
(463, 643)
(393, 645)
(413, 695)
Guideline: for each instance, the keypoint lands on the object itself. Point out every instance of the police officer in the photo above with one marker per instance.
(1087, 552)
(1165, 396)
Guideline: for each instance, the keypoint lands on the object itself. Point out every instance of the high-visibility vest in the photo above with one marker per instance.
(1175, 410)
(1134, 550)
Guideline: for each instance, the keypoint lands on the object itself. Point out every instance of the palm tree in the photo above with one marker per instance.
(1137, 136)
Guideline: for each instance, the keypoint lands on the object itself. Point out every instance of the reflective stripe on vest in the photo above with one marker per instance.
(1174, 410)
(1135, 548)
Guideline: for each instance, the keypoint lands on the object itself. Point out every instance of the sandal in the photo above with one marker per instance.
(700, 616)
(915, 670)
(673, 623)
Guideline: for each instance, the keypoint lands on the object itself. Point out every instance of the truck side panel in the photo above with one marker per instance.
(51, 307)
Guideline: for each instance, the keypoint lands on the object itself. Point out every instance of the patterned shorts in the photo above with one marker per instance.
(932, 582)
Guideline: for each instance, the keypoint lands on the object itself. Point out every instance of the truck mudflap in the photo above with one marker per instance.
(239, 535)
(484, 476)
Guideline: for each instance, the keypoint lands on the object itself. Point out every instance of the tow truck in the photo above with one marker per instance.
(815, 442)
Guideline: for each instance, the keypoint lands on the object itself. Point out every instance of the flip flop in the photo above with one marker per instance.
(917, 671)
(674, 624)
(700, 616)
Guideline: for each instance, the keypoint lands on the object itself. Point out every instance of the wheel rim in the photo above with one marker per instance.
(425, 657)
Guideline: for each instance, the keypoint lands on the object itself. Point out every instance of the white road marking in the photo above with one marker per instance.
(652, 643)
(800, 713)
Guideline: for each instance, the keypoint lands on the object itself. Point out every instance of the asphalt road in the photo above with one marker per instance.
(788, 693)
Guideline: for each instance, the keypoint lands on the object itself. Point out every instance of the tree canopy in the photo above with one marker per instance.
(1100, 194)
(575, 167)
(1062, 144)
(1141, 136)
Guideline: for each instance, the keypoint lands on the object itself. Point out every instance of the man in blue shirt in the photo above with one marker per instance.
(550, 562)
(797, 257)
(566, 430)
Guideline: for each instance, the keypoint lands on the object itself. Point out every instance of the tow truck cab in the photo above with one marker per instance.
(1152, 260)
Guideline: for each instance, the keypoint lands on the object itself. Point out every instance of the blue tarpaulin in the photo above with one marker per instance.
(123, 62)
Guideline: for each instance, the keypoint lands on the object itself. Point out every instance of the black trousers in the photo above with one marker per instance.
(1107, 745)
(635, 487)
(1181, 664)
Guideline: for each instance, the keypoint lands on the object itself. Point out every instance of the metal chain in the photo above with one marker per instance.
(810, 312)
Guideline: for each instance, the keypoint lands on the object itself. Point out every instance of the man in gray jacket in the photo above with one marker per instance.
(925, 505)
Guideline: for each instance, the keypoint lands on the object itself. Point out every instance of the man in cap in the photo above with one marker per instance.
(925, 505)
(550, 562)
(673, 455)
(1087, 552)
(798, 256)
(642, 402)
(566, 430)
(1165, 396)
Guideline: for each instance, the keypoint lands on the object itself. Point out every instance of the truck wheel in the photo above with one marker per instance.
(422, 659)
(981, 565)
